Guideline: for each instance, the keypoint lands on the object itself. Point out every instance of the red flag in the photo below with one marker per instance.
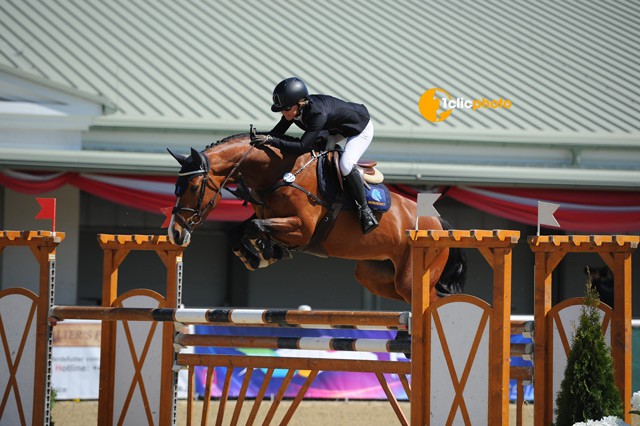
(167, 212)
(47, 210)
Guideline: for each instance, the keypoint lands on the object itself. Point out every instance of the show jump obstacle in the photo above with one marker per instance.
(552, 344)
(458, 373)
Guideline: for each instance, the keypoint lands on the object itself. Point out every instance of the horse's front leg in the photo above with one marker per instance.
(252, 243)
(285, 230)
(242, 247)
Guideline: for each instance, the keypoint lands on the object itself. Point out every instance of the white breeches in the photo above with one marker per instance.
(354, 148)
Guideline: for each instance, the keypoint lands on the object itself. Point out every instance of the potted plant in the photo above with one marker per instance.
(588, 389)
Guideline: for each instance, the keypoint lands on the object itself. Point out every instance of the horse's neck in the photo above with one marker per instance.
(265, 169)
(260, 168)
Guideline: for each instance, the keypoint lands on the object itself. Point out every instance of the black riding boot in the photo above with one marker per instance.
(368, 221)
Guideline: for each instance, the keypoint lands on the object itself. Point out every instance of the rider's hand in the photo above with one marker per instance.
(259, 140)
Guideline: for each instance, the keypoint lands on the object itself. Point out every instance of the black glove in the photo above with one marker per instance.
(259, 140)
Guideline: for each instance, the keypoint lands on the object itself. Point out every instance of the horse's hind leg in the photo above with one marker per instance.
(378, 277)
(404, 275)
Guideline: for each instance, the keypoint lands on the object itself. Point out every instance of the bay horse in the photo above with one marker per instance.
(283, 190)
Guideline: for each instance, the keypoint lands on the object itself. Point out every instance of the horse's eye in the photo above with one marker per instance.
(193, 189)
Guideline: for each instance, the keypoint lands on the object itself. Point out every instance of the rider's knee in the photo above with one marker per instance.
(347, 162)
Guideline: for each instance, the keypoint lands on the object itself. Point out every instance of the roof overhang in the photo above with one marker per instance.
(416, 173)
(17, 83)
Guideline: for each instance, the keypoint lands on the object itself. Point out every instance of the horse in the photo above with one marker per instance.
(284, 192)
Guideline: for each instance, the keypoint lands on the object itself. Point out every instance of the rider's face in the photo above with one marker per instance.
(290, 114)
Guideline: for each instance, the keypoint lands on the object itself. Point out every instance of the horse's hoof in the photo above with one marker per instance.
(264, 247)
(255, 262)
(281, 253)
(244, 260)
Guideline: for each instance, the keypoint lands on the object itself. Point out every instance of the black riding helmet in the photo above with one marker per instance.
(287, 93)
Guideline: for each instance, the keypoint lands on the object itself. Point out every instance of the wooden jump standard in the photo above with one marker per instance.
(120, 374)
(28, 401)
(434, 335)
(552, 327)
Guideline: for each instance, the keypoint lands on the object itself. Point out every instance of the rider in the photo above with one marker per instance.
(318, 115)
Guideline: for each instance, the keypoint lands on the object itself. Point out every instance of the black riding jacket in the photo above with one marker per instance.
(324, 115)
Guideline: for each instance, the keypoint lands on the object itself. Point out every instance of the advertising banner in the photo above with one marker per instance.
(76, 361)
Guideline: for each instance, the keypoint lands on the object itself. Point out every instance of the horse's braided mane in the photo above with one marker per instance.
(227, 139)
(240, 135)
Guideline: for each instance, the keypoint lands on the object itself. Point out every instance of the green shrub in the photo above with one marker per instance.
(588, 389)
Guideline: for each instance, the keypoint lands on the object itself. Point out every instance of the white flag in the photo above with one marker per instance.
(545, 214)
(425, 204)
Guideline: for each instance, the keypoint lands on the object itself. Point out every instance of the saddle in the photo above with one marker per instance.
(367, 167)
(331, 190)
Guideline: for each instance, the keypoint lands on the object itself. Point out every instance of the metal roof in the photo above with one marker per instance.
(570, 68)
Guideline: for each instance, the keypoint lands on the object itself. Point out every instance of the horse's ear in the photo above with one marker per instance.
(199, 160)
(179, 157)
(196, 157)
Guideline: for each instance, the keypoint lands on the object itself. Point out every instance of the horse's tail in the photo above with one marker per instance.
(454, 275)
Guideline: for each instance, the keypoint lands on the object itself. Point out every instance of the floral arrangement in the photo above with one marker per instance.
(635, 408)
(605, 421)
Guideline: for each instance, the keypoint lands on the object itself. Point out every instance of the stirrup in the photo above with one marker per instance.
(368, 221)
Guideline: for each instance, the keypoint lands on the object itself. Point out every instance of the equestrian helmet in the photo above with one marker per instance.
(287, 93)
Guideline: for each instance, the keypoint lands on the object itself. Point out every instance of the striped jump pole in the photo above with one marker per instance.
(303, 343)
(524, 350)
(320, 319)
(276, 318)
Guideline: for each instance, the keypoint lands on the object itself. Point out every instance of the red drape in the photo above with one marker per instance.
(593, 211)
(580, 210)
(125, 191)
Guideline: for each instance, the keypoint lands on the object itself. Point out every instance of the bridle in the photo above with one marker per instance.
(200, 212)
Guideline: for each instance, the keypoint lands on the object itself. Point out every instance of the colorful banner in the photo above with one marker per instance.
(328, 384)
